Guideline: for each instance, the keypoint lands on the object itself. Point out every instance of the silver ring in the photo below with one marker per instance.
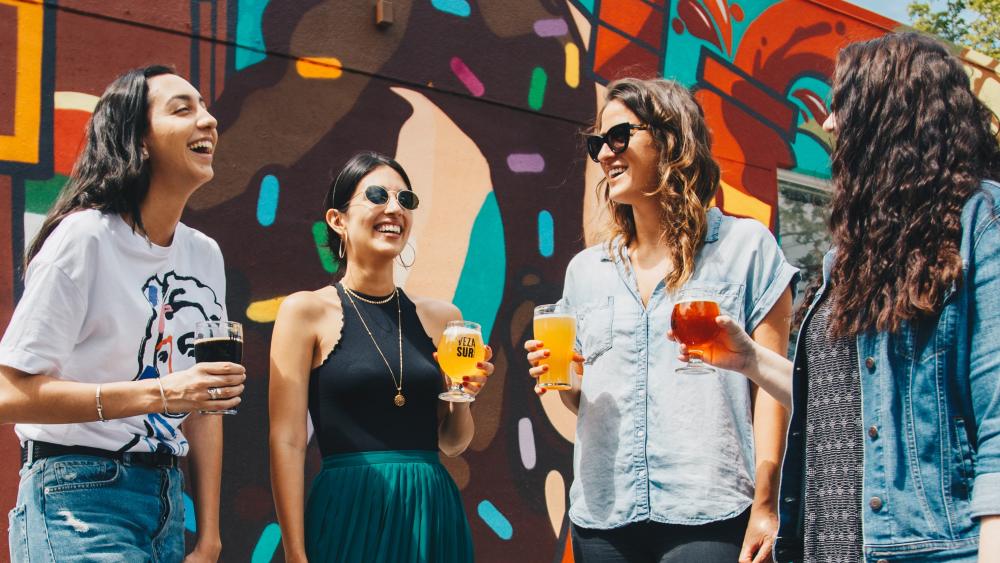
(214, 393)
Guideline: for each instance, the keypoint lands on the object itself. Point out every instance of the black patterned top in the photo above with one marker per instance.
(834, 445)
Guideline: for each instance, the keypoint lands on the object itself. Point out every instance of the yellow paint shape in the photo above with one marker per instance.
(739, 203)
(264, 311)
(561, 418)
(22, 146)
(452, 177)
(572, 65)
(582, 24)
(555, 500)
(322, 68)
(76, 101)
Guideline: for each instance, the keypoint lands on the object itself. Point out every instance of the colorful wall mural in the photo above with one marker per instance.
(483, 103)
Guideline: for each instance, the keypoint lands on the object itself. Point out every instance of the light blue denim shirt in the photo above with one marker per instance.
(652, 444)
(930, 400)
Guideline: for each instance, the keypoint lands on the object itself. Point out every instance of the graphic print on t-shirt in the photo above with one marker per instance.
(176, 304)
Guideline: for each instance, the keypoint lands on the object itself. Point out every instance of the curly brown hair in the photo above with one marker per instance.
(689, 175)
(913, 144)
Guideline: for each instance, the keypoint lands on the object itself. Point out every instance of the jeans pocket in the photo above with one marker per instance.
(17, 535)
(79, 474)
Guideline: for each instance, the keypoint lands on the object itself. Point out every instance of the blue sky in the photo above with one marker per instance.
(895, 9)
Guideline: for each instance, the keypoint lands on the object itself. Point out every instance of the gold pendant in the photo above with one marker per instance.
(400, 400)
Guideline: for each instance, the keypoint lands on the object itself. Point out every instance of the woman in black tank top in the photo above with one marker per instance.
(358, 356)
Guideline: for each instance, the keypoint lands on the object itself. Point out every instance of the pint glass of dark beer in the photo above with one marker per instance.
(218, 341)
(693, 322)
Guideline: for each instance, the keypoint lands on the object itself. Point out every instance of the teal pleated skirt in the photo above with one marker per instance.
(394, 506)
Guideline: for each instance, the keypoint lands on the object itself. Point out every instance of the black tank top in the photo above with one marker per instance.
(351, 393)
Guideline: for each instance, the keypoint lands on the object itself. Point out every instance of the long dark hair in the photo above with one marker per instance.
(687, 171)
(913, 143)
(345, 183)
(110, 174)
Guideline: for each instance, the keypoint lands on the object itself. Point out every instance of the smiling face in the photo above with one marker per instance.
(634, 172)
(182, 134)
(374, 230)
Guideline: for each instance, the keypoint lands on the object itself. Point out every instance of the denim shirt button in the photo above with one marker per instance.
(873, 432)
(870, 363)
(875, 503)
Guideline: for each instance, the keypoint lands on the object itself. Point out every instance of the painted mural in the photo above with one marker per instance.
(483, 103)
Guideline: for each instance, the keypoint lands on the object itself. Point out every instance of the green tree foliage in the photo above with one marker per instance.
(969, 23)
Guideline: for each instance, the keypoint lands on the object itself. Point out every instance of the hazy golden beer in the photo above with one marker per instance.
(459, 350)
(555, 326)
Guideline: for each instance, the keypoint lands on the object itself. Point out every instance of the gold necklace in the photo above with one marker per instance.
(399, 399)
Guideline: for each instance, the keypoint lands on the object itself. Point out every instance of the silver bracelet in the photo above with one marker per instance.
(100, 407)
(163, 396)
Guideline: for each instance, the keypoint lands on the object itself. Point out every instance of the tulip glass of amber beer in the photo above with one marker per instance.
(218, 341)
(693, 322)
(459, 350)
(555, 326)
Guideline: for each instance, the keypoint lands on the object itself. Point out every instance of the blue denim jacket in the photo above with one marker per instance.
(931, 409)
(652, 444)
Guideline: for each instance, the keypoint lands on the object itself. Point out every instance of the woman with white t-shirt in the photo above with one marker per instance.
(97, 365)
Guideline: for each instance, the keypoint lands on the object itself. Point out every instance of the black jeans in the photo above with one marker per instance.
(652, 542)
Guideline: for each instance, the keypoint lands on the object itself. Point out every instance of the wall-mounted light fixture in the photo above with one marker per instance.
(383, 13)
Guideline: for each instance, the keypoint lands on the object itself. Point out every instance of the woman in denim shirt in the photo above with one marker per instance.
(910, 361)
(665, 464)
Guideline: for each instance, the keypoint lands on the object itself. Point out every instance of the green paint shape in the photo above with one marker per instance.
(536, 94)
(480, 286)
(326, 257)
(39, 195)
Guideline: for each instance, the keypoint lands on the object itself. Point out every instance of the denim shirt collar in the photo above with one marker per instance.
(714, 223)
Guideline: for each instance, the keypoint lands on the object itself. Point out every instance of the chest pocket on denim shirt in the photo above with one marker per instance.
(594, 324)
(729, 296)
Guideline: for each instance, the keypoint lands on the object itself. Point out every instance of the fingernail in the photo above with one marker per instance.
(547, 353)
(465, 379)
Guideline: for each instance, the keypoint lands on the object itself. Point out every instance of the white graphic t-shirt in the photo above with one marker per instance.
(102, 304)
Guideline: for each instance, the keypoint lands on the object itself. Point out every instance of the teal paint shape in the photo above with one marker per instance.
(190, 522)
(546, 234)
(480, 286)
(326, 257)
(587, 5)
(536, 92)
(495, 520)
(250, 48)
(267, 545)
(810, 156)
(267, 200)
(453, 7)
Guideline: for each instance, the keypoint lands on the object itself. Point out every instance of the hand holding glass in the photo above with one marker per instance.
(693, 323)
(218, 341)
(555, 326)
(459, 352)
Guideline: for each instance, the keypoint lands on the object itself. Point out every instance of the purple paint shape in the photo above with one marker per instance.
(525, 162)
(551, 28)
(467, 77)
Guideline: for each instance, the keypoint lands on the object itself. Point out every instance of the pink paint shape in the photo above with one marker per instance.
(551, 28)
(468, 78)
(525, 162)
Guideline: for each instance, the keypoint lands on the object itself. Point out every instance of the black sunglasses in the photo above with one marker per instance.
(380, 196)
(616, 138)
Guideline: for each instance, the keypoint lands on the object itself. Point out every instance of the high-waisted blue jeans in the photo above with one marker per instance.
(80, 508)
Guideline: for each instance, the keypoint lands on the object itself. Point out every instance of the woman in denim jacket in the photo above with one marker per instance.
(664, 463)
(894, 443)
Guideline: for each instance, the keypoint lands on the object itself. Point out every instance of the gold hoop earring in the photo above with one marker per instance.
(413, 253)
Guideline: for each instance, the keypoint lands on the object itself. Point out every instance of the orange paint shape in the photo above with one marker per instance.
(740, 203)
(22, 145)
(321, 68)
(69, 134)
(630, 16)
(777, 111)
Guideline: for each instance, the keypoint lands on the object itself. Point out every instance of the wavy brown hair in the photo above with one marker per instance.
(913, 143)
(688, 174)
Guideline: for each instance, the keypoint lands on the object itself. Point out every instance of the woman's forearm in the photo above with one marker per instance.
(43, 399)
(204, 433)
(456, 430)
(772, 372)
(989, 539)
(288, 484)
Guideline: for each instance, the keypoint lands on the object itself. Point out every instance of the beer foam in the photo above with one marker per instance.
(456, 331)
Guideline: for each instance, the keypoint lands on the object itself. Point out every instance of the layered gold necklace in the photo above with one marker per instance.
(399, 399)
